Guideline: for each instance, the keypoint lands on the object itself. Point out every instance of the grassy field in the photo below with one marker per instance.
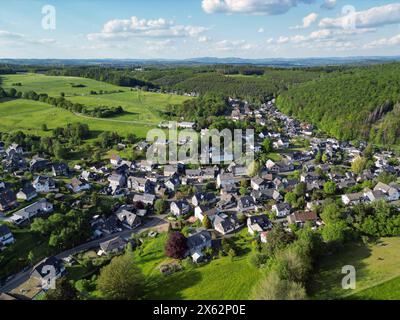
(222, 278)
(142, 109)
(377, 271)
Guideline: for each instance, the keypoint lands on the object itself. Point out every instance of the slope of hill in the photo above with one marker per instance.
(358, 103)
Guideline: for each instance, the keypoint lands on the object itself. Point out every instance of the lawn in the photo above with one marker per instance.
(389, 290)
(14, 258)
(375, 265)
(223, 278)
(143, 110)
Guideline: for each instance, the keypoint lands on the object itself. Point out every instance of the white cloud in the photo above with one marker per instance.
(260, 30)
(121, 29)
(152, 45)
(204, 39)
(229, 45)
(10, 35)
(268, 7)
(373, 17)
(384, 42)
(329, 4)
(307, 21)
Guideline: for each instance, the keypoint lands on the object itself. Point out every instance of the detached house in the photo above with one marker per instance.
(200, 212)
(258, 224)
(48, 270)
(128, 219)
(28, 213)
(353, 198)
(116, 181)
(225, 224)
(115, 160)
(391, 191)
(44, 184)
(60, 170)
(6, 237)
(179, 208)
(8, 199)
(246, 204)
(301, 217)
(112, 246)
(258, 183)
(206, 198)
(281, 209)
(138, 184)
(27, 193)
(79, 185)
(198, 242)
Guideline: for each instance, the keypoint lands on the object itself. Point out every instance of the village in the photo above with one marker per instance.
(216, 200)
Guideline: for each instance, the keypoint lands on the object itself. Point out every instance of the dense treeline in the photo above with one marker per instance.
(114, 76)
(202, 110)
(358, 103)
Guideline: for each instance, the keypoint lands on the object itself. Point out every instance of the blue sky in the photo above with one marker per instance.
(192, 28)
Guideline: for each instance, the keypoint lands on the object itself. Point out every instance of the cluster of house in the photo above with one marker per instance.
(226, 207)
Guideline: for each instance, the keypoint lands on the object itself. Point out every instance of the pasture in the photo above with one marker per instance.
(143, 110)
(375, 265)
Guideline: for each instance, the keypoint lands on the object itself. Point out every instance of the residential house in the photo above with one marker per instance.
(281, 209)
(60, 170)
(202, 211)
(6, 236)
(115, 159)
(205, 198)
(127, 218)
(246, 204)
(138, 184)
(198, 242)
(258, 224)
(26, 214)
(226, 179)
(38, 164)
(112, 246)
(353, 198)
(44, 184)
(27, 193)
(179, 208)
(301, 217)
(173, 183)
(258, 183)
(48, 270)
(266, 194)
(116, 181)
(146, 198)
(225, 224)
(13, 149)
(79, 185)
(391, 191)
(8, 199)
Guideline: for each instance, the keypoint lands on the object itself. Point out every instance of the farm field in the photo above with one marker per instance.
(376, 265)
(142, 109)
(206, 282)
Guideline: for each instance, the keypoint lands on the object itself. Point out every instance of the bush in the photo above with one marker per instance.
(258, 259)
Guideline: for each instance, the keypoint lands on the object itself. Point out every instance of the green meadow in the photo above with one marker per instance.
(224, 278)
(377, 271)
(143, 110)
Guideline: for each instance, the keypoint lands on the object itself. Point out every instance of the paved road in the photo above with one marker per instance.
(23, 276)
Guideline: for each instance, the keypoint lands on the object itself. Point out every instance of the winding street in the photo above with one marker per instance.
(23, 276)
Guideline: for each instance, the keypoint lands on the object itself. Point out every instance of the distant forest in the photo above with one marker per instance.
(348, 102)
